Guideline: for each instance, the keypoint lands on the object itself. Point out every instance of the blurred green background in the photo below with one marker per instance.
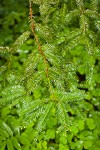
(13, 20)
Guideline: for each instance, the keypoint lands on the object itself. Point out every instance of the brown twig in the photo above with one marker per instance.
(32, 26)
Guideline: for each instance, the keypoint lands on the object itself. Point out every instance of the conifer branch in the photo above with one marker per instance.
(20, 41)
(51, 69)
(4, 49)
(32, 24)
(94, 5)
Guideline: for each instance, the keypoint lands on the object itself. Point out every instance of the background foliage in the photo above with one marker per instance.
(50, 77)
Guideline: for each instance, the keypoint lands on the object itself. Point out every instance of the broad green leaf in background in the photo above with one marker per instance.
(50, 134)
(87, 144)
(74, 129)
(63, 147)
(51, 122)
(90, 123)
(81, 124)
(44, 145)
